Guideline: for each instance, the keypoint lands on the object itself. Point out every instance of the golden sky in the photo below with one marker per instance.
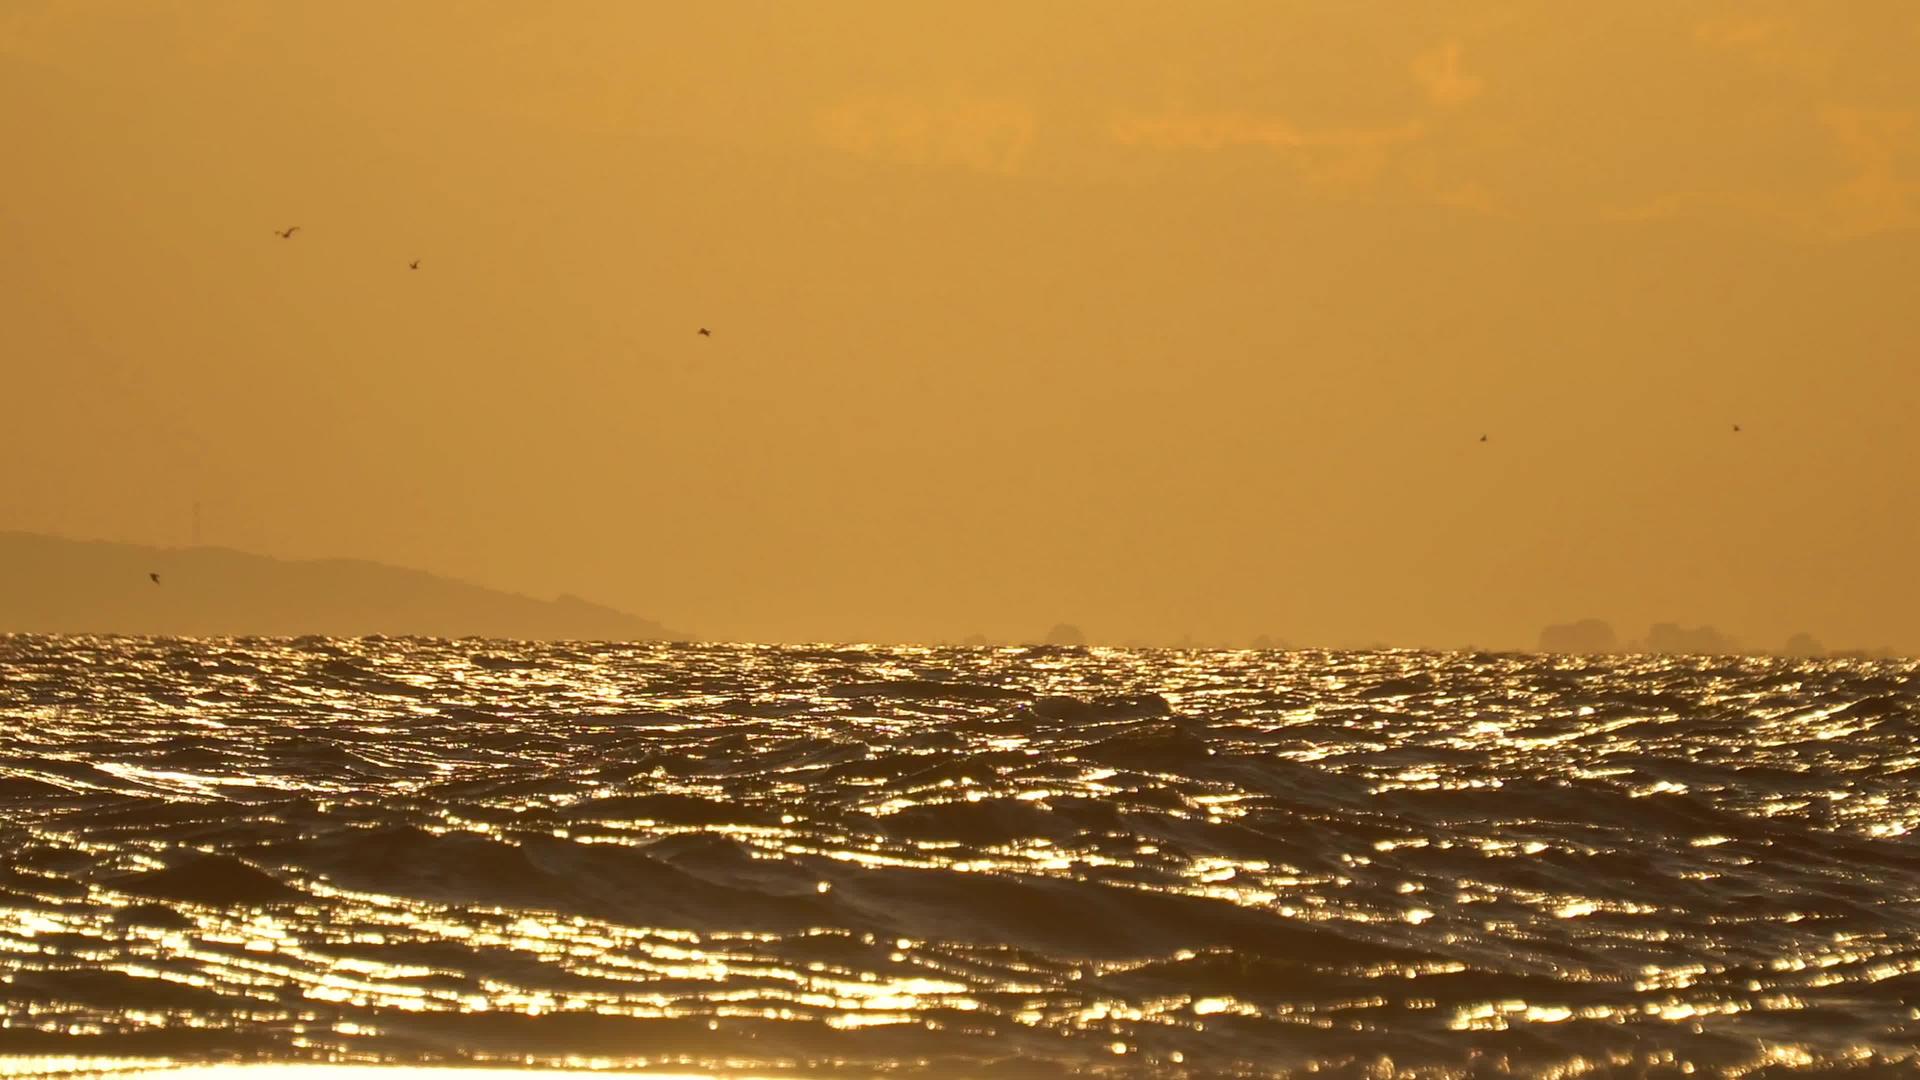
(1162, 319)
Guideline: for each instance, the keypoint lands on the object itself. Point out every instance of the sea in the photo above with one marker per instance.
(758, 860)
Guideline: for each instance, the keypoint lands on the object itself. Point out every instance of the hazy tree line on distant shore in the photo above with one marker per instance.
(1585, 636)
(1597, 636)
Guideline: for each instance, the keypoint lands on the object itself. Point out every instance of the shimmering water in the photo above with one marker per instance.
(966, 862)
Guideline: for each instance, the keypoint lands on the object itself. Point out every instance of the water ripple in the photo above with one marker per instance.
(963, 861)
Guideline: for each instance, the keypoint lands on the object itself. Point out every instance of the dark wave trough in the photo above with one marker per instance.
(957, 861)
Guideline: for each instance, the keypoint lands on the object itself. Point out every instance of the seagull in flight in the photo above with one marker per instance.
(414, 265)
(704, 332)
(155, 578)
(286, 233)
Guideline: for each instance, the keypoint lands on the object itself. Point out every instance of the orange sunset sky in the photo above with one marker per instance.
(1162, 319)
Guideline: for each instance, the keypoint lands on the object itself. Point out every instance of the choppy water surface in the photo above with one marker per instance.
(956, 861)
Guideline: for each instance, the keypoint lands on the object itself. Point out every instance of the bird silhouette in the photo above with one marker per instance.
(155, 578)
(286, 233)
(414, 265)
(704, 332)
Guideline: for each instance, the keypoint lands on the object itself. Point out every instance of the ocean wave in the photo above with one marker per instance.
(957, 861)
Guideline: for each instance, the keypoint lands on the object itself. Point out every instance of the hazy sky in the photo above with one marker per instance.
(1158, 318)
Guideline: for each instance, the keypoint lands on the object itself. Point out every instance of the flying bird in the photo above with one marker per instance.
(155, 578)
(704, 332)
(286, 233)
(414, 265)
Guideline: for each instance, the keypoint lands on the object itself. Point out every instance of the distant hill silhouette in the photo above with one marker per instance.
(1585, 636)
(1689, 641)
(53, 585)
(1803, 644)
(1066, 634)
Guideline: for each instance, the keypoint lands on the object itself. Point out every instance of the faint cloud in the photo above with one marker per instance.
(1182, 130)
(1439, 74)
(1879, 155)
(1773, 42)
(1342, 158)
(1758, 34)
(983, 134)
(1874, 147)
(1706, 203)
(1334, 157)
(1880, 147)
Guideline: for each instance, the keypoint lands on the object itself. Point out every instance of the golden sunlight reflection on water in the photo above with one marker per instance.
(715, 860)
(124, 1068)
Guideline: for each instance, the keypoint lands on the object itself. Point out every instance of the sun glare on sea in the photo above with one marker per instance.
(138, 1067)
(734, 860)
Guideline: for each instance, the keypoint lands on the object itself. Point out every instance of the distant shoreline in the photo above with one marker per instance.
(54, 585)
(691, 643)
